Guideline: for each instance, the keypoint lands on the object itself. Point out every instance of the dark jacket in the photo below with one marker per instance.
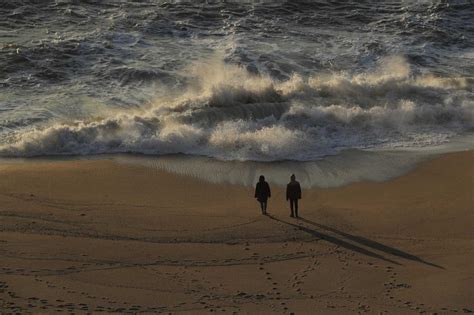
(262, 191)
(293, 191)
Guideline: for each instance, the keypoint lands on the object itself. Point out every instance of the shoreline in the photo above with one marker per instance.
(347, 167)
(100, 235)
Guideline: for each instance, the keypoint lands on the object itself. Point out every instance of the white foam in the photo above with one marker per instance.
(229, 113)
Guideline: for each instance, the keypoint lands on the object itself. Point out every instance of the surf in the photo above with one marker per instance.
(229, 113)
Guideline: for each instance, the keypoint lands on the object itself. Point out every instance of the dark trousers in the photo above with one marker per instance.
(263, 205)
(294, 207)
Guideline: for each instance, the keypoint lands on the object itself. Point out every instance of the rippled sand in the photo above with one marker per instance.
(102, 236)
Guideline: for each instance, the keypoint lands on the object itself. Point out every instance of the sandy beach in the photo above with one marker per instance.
(99, 236)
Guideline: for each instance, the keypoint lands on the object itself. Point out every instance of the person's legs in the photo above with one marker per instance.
(264, 207)
(296, 207)
(291, 207)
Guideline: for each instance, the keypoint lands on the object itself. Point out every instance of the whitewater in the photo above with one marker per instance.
(238, 81)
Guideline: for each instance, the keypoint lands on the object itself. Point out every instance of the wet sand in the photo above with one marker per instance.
(92, 236)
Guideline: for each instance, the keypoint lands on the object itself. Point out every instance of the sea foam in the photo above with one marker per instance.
(228, 113)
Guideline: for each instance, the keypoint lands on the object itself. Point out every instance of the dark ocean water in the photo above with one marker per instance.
(239, 80)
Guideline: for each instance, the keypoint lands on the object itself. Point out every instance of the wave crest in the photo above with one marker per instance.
(228, 113)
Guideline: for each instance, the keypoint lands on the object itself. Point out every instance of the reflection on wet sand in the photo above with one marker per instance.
(333, 171)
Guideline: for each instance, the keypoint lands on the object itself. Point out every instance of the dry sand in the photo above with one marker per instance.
(90, 236)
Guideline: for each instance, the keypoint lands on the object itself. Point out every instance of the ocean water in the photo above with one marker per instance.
(234, 80)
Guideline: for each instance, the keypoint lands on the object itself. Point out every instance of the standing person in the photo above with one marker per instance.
(262, 193)
(293, 193)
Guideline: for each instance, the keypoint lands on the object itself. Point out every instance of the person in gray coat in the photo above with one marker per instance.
(293, 193)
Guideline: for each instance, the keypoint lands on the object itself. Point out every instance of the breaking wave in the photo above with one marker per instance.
(229, 113)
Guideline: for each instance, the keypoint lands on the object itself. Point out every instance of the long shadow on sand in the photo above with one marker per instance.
(336, 241)
(356, 239)
(372, 244)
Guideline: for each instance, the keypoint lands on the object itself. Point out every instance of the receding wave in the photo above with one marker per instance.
(229, 113)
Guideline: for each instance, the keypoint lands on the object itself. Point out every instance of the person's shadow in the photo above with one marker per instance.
(356, 239)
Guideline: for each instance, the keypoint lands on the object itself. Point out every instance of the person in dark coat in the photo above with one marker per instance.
(262, 193)
(293, 193)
